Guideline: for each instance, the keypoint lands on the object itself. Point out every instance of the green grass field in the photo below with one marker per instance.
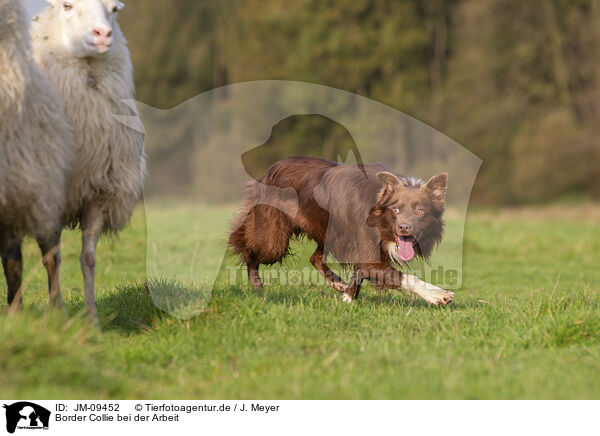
(526, 324)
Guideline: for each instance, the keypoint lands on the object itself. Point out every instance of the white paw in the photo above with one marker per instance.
(439, 297)
(347, 298)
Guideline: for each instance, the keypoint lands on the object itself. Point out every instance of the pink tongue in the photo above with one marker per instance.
(405, 249)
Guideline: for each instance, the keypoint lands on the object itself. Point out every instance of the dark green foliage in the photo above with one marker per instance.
(515, 82)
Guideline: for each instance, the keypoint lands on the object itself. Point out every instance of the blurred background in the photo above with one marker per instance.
(515, 82)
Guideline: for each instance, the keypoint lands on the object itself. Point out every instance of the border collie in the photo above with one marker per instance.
(368, 218)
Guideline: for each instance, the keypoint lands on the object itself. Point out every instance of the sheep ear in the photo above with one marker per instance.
(436, 186)
(120, 6)
(390, 183)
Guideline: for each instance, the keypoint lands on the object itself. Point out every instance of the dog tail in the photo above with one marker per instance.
(261, 231)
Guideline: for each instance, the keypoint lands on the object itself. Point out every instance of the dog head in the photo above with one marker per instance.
(409, 215)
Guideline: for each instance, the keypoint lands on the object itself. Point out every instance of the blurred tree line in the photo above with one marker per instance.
(516, 82)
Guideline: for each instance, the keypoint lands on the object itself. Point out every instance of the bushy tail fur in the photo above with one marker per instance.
(261, 233)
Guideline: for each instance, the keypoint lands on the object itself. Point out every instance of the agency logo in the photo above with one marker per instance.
(209, 147)
(26, 416)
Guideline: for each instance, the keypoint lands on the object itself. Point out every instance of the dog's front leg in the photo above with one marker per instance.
(333, 280)
(353, 287)
(385, 277)
(431, 293)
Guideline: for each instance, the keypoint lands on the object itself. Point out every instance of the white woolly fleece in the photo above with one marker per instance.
(110, 160)
(36, 141)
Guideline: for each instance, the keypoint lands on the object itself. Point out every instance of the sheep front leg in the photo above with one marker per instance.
(51, 259)
(92, 223)
(12, 262)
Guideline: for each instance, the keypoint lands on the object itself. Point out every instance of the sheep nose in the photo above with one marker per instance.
(105, 33)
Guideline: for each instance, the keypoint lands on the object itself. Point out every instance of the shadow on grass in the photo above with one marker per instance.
(131, 309)
(294, 296)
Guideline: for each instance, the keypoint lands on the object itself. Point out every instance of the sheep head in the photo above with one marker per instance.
(86, 27)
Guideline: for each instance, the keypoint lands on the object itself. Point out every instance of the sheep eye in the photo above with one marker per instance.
(419, 212)
(115, 9)
(67, 6)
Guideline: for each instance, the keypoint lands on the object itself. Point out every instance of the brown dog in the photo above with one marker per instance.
(368, 218)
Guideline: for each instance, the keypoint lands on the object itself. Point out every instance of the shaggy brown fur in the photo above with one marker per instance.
(363, 215)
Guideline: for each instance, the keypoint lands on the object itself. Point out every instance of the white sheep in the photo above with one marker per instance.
(81, 49)
(36, 149)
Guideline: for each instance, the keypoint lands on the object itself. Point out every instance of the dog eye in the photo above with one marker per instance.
(396, 210)
(67, 6)
(419, 212)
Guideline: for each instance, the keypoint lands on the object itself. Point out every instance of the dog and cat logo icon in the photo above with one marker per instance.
(26, 416)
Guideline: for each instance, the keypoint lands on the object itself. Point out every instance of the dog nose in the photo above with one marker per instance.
(404, 227)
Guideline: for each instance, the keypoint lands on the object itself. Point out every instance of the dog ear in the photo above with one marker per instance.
(374, 216)
(388, 178)
(390, 183)
(436, 186)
